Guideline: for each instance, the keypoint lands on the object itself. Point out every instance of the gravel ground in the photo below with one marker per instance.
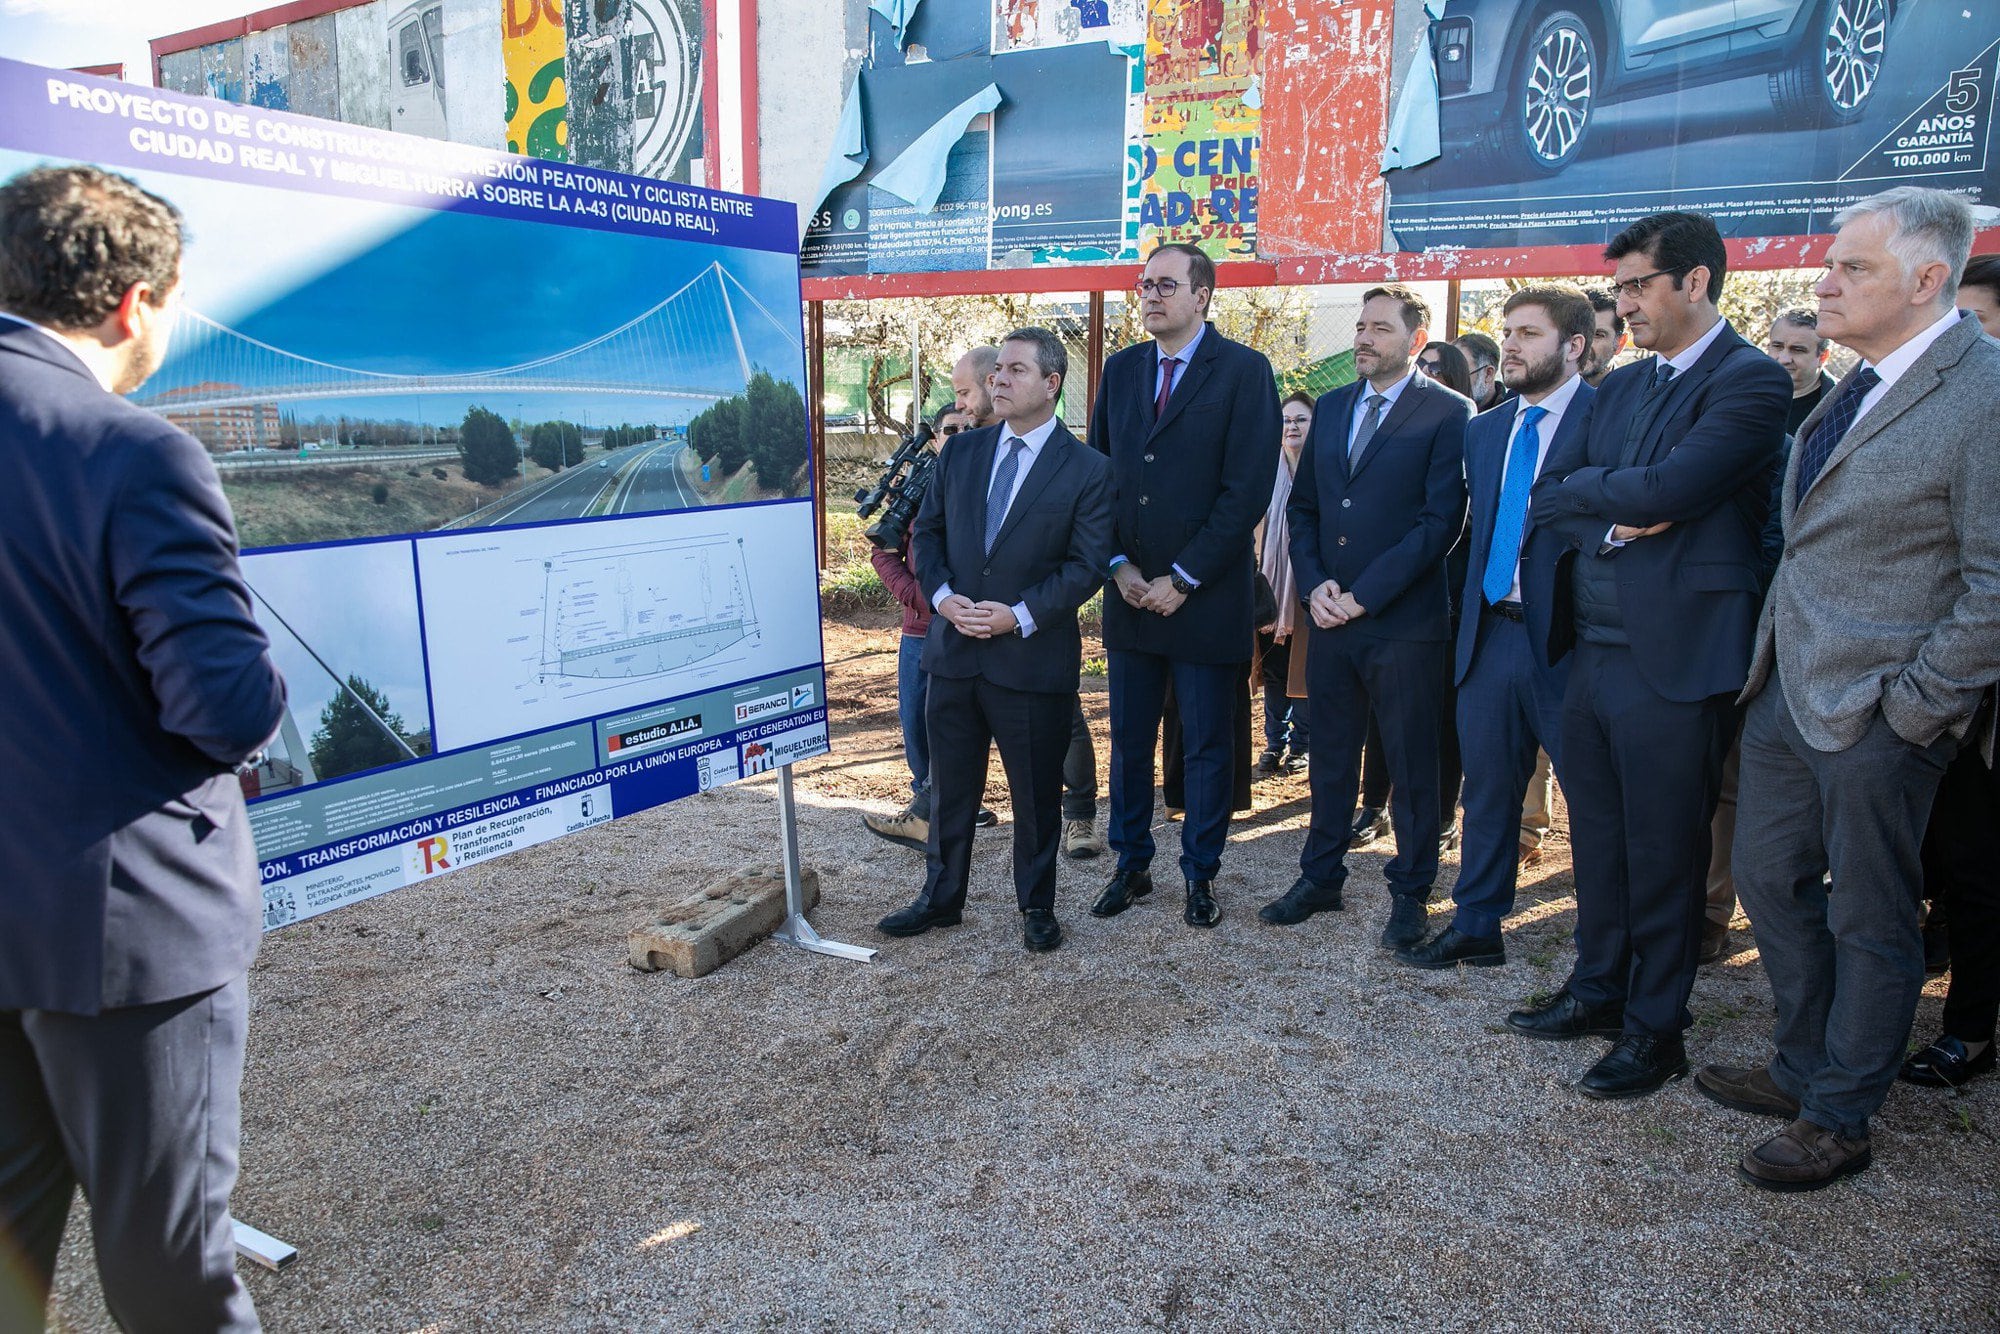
(469, 1113)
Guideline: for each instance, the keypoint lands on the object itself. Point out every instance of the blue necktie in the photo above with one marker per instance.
(1003, 489)
(1511, 521)
(1820, 444)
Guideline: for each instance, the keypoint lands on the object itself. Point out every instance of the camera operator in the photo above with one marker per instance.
(910, 827)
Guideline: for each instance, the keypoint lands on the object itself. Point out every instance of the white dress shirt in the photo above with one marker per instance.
(1554, 406)
(1031, 442)
(1391, 394)
(1897, 364)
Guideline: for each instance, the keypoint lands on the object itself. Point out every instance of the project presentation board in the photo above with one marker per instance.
(518, 453)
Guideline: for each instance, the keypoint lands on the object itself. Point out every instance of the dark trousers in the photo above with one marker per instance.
(967, 717)
(1961, 858)
(1641, 779)
(1510, 705)
(1205, 697)
(1284, 717)
(1348, 676)
(1846, 964)
(1375, 763)
(1079, 775)
(1173, 758)
(139, 1107)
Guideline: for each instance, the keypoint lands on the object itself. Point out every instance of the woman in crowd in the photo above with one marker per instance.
(1286, 740)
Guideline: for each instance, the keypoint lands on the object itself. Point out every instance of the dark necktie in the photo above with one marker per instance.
(1365, 432)
(1511, 520)
(1167, 367)
(1649, 406)
(1827, 435)
(1003, 489)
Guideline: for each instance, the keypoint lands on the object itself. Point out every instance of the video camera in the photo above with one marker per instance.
(899, 492)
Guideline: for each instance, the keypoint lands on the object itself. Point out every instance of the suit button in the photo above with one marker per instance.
(1346, 504)
(988, 571)
(1343, 541)
(1149, 458)
(1144, 499)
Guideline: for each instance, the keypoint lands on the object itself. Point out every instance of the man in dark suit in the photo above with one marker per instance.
(1879, 639)
(132, 680)
(1190, 423)
(1510, 696)
(1378, 501)
(1661, 504)
(1011, 540)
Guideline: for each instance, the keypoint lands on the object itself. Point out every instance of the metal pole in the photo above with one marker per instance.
(816, 413)
(1096, 352)
(1451, 299)
(797, 930)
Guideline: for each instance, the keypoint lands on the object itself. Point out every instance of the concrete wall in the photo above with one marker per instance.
(807, 53)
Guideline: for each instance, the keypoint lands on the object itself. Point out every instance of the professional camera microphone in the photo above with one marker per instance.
(899, 492)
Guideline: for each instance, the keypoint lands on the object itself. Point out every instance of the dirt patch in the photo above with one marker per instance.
(470, 1113)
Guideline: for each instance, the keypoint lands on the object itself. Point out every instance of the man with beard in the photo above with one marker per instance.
(133, 680)
(1378, 500)
(1607, 336)
(1509, 696)
(1489, 391)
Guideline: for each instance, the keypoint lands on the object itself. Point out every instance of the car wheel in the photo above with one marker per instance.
(1838, 66)
(1549, 100)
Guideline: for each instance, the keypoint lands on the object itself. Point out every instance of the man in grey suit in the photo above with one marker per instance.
(1881, 631)
(132, 681)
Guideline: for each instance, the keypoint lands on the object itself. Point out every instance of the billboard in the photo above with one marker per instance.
(603, 83)
(518, 454)
(1559, 127)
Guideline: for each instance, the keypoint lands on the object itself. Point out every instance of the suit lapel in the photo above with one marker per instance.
(1646, 447)
(1399, 412)
(1331, 440)
(1189, 384)
(1048, 462)
(1910, 387)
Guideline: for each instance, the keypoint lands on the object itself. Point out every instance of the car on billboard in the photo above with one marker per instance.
(1520, 81)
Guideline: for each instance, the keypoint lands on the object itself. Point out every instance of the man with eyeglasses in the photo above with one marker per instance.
(1489, 391)
(1190, 422)
(1660, 509)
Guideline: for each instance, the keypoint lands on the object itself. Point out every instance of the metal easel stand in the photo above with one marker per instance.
(262, 1247)
(796, 929)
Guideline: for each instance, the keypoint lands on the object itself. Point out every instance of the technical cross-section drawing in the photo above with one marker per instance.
(644, 610)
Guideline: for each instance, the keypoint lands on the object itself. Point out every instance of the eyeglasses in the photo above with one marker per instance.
(1632, 287)
(952, 430)
(1297, 423)
(1160, 287)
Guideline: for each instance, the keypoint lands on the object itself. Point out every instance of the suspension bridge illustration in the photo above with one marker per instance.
(698, 343)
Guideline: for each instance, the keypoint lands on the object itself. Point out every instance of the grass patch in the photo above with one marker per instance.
(324, 504)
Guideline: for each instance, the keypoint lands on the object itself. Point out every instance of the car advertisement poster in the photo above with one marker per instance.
(518, 456)
(1557, 124)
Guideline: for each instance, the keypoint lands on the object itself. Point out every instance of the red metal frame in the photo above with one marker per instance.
(256, 21)
(747, 16)
(116, 71)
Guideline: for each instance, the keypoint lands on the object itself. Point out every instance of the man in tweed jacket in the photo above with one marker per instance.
(1881, 632)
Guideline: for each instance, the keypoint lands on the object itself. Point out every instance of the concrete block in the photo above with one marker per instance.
(698, 934)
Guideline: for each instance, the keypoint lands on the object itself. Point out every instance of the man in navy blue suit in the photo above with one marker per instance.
(1661, 505)
(1378, 500)
(133, 679)
(1190, 422)
(1509, 695)
(1011, 540)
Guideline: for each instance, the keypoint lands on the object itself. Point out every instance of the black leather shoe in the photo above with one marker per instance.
(1944, 1064)
(918, 918)
(1451, 947)
(1269, 763)
(1407, 922)
(1125, 887)
(1449, 837)
(1202, 909)
(985, 819)
(1637, 1064)
(1306, 897)
(1370, 823)
(1563, 1017)
(1040, 931)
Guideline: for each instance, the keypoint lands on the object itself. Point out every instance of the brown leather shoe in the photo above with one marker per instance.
(1803, 1156)
(1714, 942)
(1749, 1090)
(1531, 855)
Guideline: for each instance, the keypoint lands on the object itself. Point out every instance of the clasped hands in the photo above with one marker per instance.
(1331, 606)
(1155, 595)
(978, 620)
(1625, 532)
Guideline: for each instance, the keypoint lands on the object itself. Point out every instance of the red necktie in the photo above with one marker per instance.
(1167, 365)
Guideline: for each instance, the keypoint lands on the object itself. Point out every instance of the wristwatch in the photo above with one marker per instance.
(1181, 586)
